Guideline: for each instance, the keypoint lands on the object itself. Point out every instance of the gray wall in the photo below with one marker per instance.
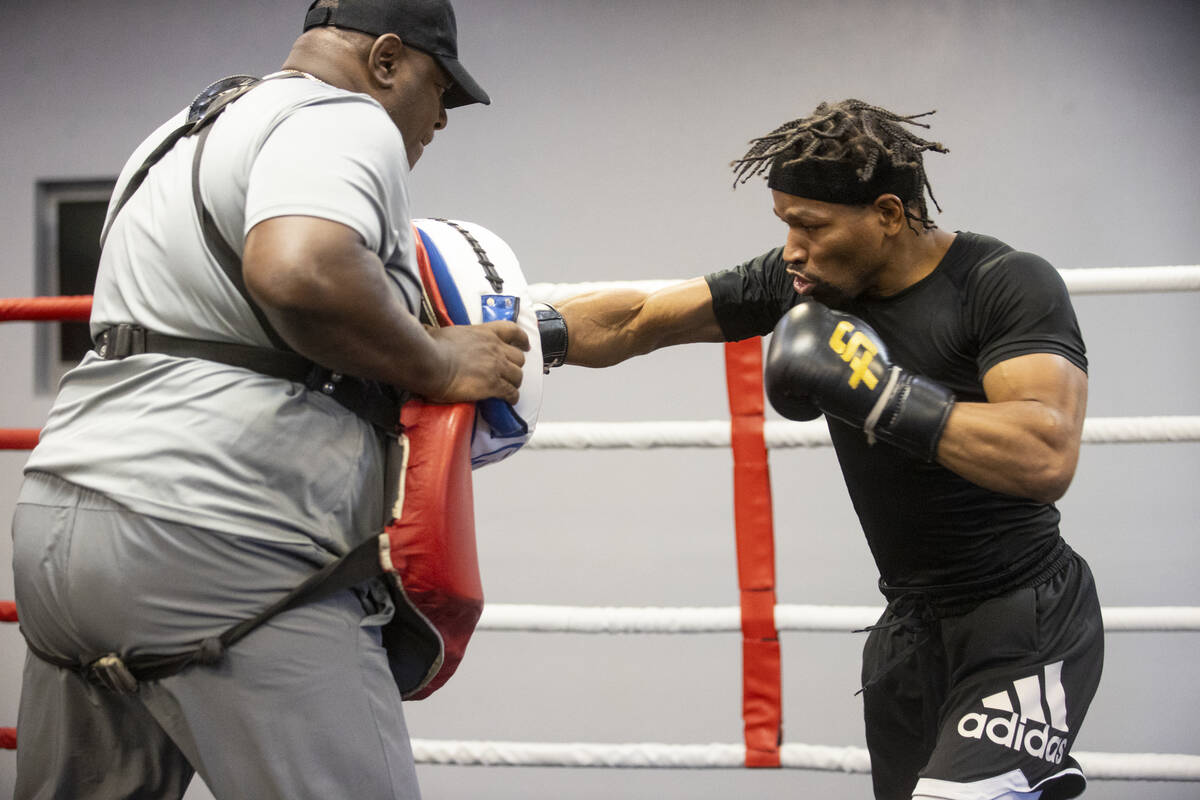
(1072, 129)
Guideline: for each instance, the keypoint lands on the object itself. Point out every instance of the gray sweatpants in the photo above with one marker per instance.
(304, 707)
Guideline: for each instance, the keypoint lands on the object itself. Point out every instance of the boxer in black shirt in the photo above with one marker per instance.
(952, 375)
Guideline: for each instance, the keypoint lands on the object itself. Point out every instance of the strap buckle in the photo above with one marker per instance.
(120, 341)
(373, 401)
(323, 380)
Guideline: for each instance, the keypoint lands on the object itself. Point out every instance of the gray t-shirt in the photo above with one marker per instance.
(200, 442)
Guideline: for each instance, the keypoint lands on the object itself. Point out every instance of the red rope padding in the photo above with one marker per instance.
(8, 611)
(18, 438)
(31, 309)
(8, 738)
(762, 692)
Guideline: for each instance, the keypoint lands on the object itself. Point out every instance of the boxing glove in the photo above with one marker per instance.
(826, 361)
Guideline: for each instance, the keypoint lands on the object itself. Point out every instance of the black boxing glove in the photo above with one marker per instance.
(826, 361)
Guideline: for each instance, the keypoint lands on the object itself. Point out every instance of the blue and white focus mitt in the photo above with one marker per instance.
(480, 280)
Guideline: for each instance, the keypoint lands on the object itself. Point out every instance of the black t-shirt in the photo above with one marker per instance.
(983, 304)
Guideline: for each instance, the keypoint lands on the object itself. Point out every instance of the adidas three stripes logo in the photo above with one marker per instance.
(1036, 724)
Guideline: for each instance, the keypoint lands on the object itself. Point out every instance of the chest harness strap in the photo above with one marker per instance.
(373, 401)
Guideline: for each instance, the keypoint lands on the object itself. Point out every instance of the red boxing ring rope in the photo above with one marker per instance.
(18, 438)
(52, 309)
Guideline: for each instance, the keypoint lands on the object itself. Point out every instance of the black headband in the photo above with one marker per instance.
(838, 181)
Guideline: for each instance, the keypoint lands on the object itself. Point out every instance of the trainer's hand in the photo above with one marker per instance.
(481, 361)
(828, 361)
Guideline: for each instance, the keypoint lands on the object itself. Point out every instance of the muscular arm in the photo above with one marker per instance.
(1025, 440)
(608, 327)
(327, 296)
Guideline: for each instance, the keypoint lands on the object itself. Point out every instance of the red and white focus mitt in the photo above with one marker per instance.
(428, 547)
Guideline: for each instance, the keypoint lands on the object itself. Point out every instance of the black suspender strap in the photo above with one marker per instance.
(221, 250)
(203, 110)
(140, 175)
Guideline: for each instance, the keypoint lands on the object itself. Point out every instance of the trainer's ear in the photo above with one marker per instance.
(383, 60)
(891, 213)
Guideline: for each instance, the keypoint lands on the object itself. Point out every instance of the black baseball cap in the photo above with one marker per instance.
(425, 25)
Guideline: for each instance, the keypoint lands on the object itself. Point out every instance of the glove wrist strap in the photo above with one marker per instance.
(910, 414)
(552, 329)
(880, 404)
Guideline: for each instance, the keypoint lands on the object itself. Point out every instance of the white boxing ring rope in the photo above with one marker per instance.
(1097, 766)
(807, 618)
(1097, 280)
(803, 618)
(781, 434)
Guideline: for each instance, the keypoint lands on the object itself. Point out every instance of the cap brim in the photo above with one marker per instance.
(465, 90)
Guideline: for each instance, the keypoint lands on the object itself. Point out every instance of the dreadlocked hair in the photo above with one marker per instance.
(851, 131)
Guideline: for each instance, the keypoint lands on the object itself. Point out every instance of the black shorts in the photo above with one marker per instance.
(988, 701)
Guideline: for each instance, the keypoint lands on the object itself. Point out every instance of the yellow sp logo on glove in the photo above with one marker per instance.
(858, 352)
